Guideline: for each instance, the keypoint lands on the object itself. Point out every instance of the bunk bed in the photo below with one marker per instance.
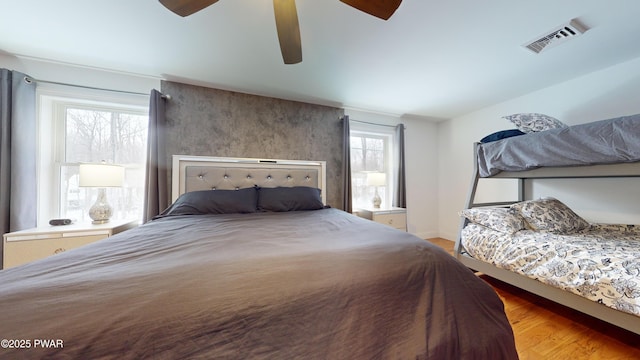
(606, 148)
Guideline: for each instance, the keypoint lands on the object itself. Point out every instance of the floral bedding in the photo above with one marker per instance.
(600, 262)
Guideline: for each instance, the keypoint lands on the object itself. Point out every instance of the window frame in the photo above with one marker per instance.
(387, 133)
(53, 100)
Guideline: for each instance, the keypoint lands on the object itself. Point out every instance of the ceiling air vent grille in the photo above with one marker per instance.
(556, 36)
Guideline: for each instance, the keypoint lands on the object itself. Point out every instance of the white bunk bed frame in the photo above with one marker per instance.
(621, 319)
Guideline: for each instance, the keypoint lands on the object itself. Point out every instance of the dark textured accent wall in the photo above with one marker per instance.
(212, 122)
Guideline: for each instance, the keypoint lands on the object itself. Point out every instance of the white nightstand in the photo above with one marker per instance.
(32, 244)
(394, 217)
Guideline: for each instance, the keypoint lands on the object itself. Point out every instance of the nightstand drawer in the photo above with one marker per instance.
(32, 244)
(394, 216)
(398, 221)
(20, 252)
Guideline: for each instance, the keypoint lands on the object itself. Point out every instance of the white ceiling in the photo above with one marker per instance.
(432, 59)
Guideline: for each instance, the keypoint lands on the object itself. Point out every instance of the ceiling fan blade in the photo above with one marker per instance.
(288, 30)
(186, 7)
(382, 9)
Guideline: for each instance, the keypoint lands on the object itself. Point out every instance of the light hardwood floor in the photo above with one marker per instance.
(546, 330)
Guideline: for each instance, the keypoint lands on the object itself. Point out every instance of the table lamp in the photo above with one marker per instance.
(101, 176)
(376, 179)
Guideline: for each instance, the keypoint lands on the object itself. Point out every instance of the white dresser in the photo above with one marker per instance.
(24, 246)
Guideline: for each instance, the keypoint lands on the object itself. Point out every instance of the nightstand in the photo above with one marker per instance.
(394, 217)
(32, 244)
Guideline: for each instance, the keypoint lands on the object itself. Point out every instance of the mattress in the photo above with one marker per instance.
(319, 284)
(608, 141)
(600, 263)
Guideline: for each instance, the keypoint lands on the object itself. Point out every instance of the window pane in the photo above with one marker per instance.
(94, 135)
(367, 155)
(374, 155)
(357, 154)
(73, 201)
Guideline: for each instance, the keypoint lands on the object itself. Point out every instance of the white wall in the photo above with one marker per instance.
(422, 178)
(421, 163)
(600, 95)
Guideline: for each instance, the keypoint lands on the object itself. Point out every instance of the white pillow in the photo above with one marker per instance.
(550, 215)
(534, 122)
(498, 219)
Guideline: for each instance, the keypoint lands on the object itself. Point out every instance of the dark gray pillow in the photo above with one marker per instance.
(215, 202)
(289, 198)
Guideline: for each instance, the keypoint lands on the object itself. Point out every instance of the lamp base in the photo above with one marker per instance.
(101, 211)
(376, 199)
(98, 222)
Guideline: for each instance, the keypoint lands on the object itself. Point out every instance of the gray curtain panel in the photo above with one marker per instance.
(400, 196)
(156, 181)
(346, 165)
(18, 147)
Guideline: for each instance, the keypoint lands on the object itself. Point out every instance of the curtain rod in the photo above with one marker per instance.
(370, 123)
(29, 80)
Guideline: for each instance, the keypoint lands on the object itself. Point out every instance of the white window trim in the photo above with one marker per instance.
(52, 101)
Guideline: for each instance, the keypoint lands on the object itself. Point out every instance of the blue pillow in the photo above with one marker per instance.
(499, 135)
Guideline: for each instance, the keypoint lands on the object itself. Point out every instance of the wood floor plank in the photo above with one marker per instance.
(544, 329)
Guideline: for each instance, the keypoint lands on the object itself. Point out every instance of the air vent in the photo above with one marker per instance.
(556, 36)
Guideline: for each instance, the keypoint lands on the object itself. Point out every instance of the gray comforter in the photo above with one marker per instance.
(301, 285)
(602, 142)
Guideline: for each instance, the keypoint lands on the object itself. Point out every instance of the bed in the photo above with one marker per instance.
(541, 245)
(259, 268)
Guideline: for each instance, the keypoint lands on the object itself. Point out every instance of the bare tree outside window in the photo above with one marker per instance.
(368, 154)
(110, 135)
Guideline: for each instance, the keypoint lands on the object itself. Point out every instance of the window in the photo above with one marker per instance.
(371, 149)
(90, 128)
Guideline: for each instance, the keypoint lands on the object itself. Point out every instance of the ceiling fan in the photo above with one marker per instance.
(287, 19)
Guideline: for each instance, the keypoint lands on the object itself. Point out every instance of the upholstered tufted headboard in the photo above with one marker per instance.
(192, 173)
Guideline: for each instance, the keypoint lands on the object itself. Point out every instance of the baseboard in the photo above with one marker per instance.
(426, 234)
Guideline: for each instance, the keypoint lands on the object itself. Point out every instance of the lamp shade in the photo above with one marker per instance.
(101, 175)
(376, 179)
